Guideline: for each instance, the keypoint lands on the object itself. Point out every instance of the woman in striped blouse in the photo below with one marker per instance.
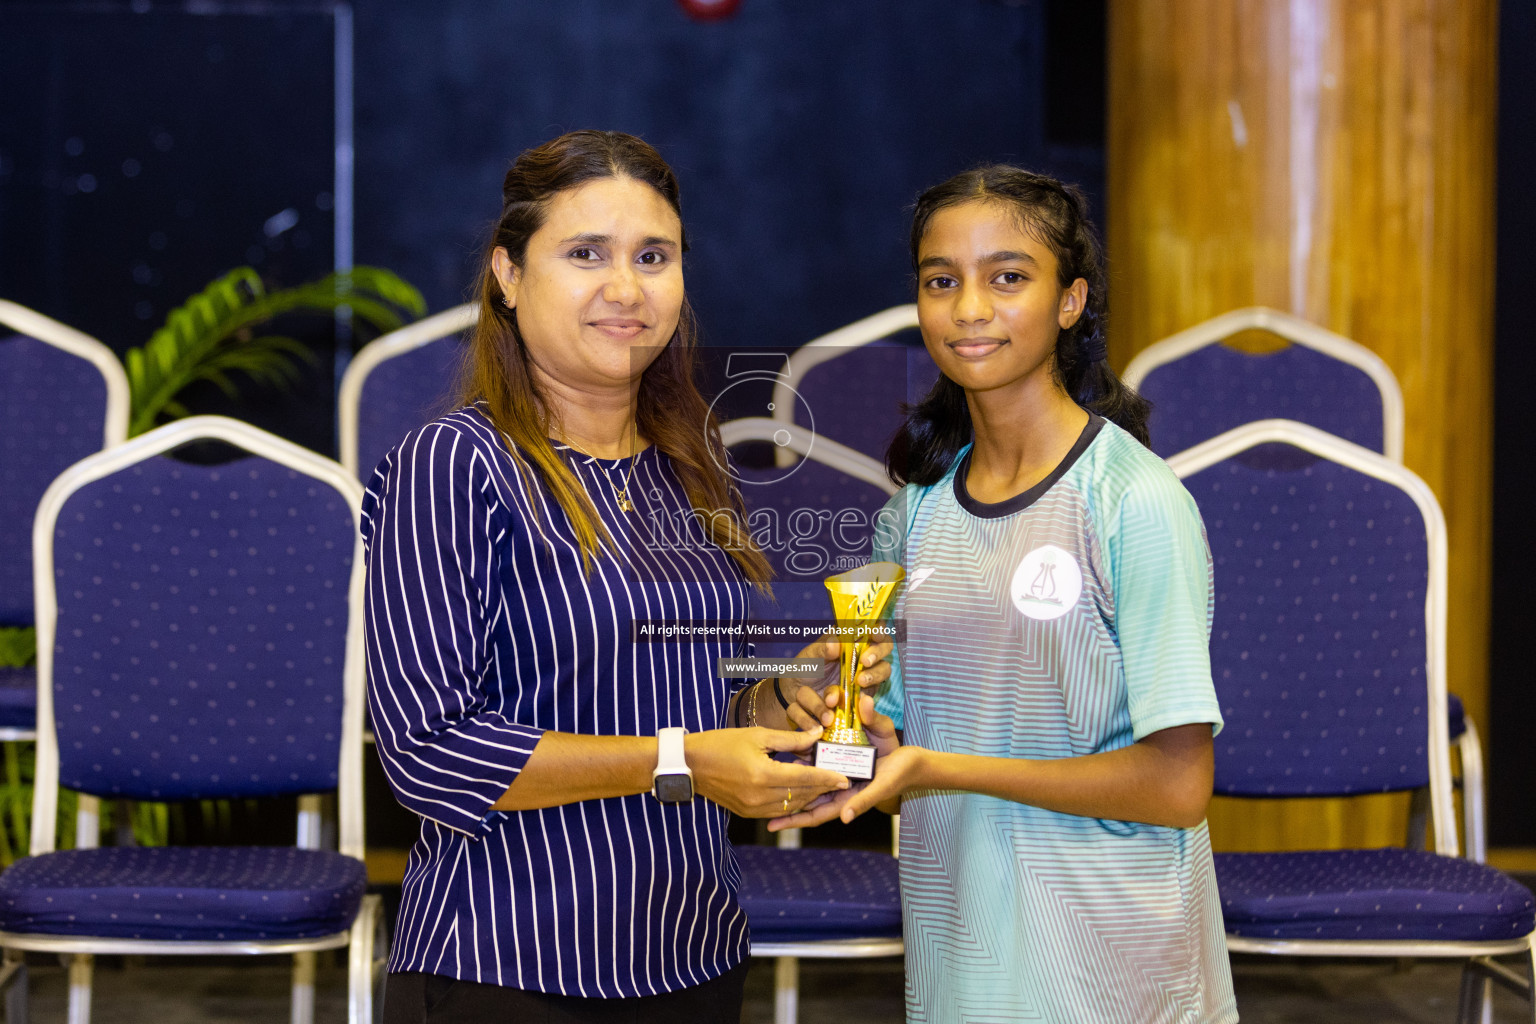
(510, 546)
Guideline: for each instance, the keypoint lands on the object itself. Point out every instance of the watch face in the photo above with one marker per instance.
(674, 789)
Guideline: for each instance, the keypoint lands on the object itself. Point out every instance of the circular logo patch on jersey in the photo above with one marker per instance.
(1047, 583)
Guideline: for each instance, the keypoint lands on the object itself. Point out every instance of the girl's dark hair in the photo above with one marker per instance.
(670, 410)
(1057, 215)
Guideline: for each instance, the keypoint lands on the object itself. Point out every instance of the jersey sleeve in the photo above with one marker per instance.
(430, 532)
(1161, 573)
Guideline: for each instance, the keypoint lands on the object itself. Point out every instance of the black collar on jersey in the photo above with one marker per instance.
(1019, 502)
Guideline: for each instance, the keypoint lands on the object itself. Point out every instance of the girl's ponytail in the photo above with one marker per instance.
(933, 434)
(1082, 351)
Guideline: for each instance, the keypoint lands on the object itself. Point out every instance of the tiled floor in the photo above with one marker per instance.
(1269, 992)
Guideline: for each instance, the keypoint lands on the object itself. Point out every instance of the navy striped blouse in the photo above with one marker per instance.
(484, 631)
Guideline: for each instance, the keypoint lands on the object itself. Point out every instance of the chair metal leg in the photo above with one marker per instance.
(786, 969)
(382, 934)
(360, 965)
(311, 822)
(1476, 1005)
(1467, 1009)
(303, 1005)
(1470, 750)
(1530, 977)
(786, 989)
(80, 965)
(14, 978)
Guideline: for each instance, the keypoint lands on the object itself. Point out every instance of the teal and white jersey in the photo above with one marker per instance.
(1072, 619)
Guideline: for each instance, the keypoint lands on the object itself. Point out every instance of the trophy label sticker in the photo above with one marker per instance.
(856, 762)
(1047, 583)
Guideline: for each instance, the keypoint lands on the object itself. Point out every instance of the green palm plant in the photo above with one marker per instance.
(216, 333)
(18, 646)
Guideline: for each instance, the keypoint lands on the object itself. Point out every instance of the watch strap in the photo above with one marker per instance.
(672, 781)
(669, 752)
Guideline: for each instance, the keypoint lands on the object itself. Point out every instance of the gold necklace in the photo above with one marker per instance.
(620, 494)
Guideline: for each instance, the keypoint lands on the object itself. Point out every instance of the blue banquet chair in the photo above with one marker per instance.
(65, 396)
(199, 637)
(815, 518)
(396, 383)
(1328, 654)
(1200, 388)
(849, 384)
(812, 517)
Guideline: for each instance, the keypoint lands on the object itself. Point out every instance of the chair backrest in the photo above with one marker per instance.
(64, 396)
(1200, 388)
(1328, 649)
(200, 627)
(812, 519)
(397, 383)
(849, 384)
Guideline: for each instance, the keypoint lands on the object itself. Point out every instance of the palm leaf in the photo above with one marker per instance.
(272, 361)
(151, 824)
(18, 646)
(168, 362)
(17, 800)
(210, 336)
(389, 288)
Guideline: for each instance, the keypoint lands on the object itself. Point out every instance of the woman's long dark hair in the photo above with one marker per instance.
(1056, 214)
(669, 410)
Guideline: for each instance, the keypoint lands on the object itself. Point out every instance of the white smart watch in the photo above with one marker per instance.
(672, 781)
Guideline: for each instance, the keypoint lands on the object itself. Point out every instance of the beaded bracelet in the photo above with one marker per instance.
(752, 706)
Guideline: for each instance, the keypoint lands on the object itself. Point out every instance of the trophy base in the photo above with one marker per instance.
(855, 760)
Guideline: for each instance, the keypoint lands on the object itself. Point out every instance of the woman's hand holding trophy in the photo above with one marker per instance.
(856, 740)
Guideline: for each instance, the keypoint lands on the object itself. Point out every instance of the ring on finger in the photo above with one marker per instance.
(788, 793)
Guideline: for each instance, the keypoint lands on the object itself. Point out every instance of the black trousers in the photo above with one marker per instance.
(414, 998)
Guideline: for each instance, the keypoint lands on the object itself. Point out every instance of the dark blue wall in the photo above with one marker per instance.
(800, 131)
(145, 150)
(141, 155)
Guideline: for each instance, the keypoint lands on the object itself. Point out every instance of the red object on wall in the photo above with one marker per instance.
(709, 10)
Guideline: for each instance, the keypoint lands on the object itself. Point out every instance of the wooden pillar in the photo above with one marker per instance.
(1332, 158)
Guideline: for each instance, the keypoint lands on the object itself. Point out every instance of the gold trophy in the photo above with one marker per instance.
(859, 596)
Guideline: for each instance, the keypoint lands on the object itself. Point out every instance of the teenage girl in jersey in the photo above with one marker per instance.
(1047, 729)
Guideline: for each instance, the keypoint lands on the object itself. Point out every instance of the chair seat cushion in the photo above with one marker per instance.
(1385, 894)
(187, 894)
(807, 895)
(18, 698)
